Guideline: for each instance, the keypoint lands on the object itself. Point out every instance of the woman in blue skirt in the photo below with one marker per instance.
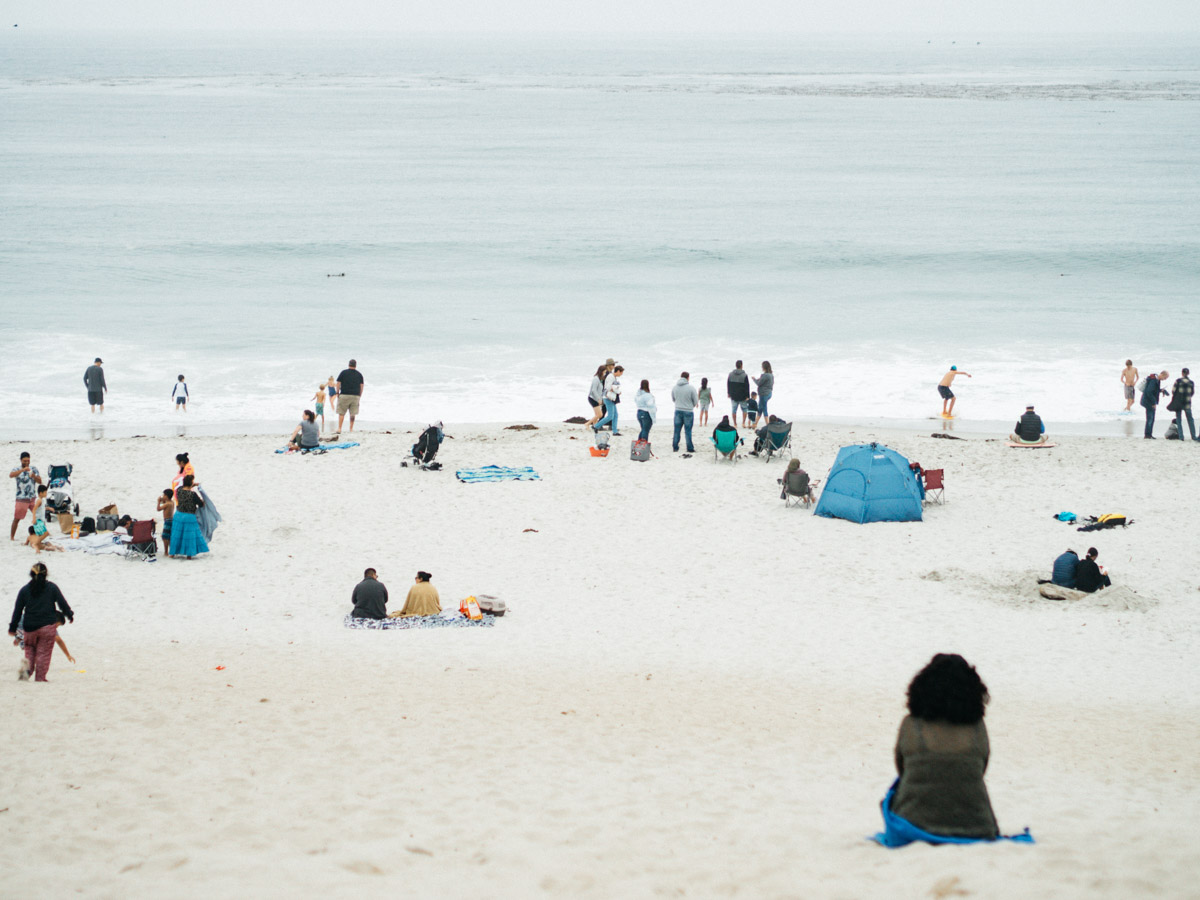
(186, 537)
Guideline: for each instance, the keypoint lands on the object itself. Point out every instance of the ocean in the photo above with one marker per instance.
(481, 222)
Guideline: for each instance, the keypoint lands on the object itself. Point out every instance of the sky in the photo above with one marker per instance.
(964, 17)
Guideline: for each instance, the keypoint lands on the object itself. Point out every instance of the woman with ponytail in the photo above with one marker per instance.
(40, 602)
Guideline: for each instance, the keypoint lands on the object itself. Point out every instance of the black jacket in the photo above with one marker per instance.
(737, 385)
(1029, 427)
(41, 605)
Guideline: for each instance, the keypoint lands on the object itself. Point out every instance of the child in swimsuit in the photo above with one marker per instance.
(319, 399)
(166, 506)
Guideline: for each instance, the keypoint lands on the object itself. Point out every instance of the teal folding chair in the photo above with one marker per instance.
(725, 444)
(778, 439)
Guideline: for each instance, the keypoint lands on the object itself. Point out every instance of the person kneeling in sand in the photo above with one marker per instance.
(1090, 575)
(370, 597)
(422, 599)
(1030, 429)
(40, 542)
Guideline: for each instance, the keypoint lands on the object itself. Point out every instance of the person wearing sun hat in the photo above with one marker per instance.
(947, 395)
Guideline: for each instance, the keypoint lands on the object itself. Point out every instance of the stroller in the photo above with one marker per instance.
(60, 495)
(426, 447)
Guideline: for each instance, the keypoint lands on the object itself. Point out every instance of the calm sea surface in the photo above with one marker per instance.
(507, 213)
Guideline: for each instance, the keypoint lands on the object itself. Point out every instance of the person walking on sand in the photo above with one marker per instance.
(36, 613)
(350, 391)
(1129, 378)
(179, 394)
(766, 387)
(596, 393)
(96, 385)
(28, 478)
(686, 400)
(647, 410)
(319, 399)
(947, 394)
(1152, 392)
(1181, 404)
(612, 396)
(737, 389)
(369, 597)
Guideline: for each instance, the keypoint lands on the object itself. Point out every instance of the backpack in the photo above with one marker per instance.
(639, 451)
(87, 526)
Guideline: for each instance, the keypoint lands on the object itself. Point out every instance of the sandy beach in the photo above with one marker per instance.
(695, 692)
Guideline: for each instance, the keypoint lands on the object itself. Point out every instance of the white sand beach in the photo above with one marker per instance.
(695, 692)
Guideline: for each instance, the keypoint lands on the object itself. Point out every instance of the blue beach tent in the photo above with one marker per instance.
(870, 483)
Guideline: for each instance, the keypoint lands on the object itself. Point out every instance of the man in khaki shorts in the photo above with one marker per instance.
(350, 388)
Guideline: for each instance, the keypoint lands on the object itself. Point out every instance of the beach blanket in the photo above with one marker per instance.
(207, 516)
(497, 473)
(98, 544)
(898, 831)
(450, 618)
(343, 445)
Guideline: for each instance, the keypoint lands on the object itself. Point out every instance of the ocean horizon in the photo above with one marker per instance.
(481, 222)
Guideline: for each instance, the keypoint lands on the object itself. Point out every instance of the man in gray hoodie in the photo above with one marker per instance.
(94, 379)
(686, 399)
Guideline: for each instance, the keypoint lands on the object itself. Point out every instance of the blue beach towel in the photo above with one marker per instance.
(438, 620)
(898, 831)
(497, 473)
(344, 445)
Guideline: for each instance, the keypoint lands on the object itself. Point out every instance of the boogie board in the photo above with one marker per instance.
(1030, 446)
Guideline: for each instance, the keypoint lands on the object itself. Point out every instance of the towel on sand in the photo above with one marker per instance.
(344, 445)
(497, 473)
(448, 619)
(898, 831)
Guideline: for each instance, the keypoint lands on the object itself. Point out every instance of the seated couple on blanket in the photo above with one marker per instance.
(370, 598)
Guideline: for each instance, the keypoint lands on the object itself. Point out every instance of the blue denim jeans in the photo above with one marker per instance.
(610, 415)
(644, 421)
(734, 406)
(1150, 411)
(683, 419)
(762, 407)
(1179, 423)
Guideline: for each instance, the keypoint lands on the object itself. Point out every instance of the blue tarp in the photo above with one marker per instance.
(870, 483)
(898, 831)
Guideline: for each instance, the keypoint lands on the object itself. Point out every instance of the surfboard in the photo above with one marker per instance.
(1031, 446)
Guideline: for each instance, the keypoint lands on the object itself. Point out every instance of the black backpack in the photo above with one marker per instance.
(87, 526)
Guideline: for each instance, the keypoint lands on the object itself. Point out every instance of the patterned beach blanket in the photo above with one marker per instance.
(344, 445)
(899, 832)
(442, 620)
(497, 473)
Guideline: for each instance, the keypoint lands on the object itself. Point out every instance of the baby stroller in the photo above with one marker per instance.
(60, 495)
(426, 447)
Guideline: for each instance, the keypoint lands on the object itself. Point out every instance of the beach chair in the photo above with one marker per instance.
(797, 489)
(725, 444)
(935, 486)
(777, 439)
(140, 542)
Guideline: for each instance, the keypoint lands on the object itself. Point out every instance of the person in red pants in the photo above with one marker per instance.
(39, 603)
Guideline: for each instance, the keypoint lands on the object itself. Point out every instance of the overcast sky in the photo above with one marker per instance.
(630, 16)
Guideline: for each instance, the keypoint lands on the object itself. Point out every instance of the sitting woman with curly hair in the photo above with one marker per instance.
(942, 752)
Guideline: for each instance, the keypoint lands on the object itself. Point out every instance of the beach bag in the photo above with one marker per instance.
(601, 440)
(106, 521)
(1172, 431)
(111, 508)
(639, 451)
(493, 606)
(470, 608)
(598, 451)
(65, 521)
(1141, 386)
(88, 525)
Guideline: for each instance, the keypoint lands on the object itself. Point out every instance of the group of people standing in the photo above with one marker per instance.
(1152, 393)
(604, 396)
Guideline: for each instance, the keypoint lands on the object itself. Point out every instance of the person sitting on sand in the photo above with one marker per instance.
(1066, 566)
(306, 435)
(40, 542)
(723, 425)
(370, 597)
(1029, 429)
(422, 599)
(942, 752)
(1090, 575)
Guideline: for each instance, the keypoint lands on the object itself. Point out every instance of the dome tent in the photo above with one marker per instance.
(870, 483)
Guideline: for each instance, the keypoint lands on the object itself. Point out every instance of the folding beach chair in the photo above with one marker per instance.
(935, 486)
(777, 439)
(797, 489)
(140, 543)
(725, 444)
